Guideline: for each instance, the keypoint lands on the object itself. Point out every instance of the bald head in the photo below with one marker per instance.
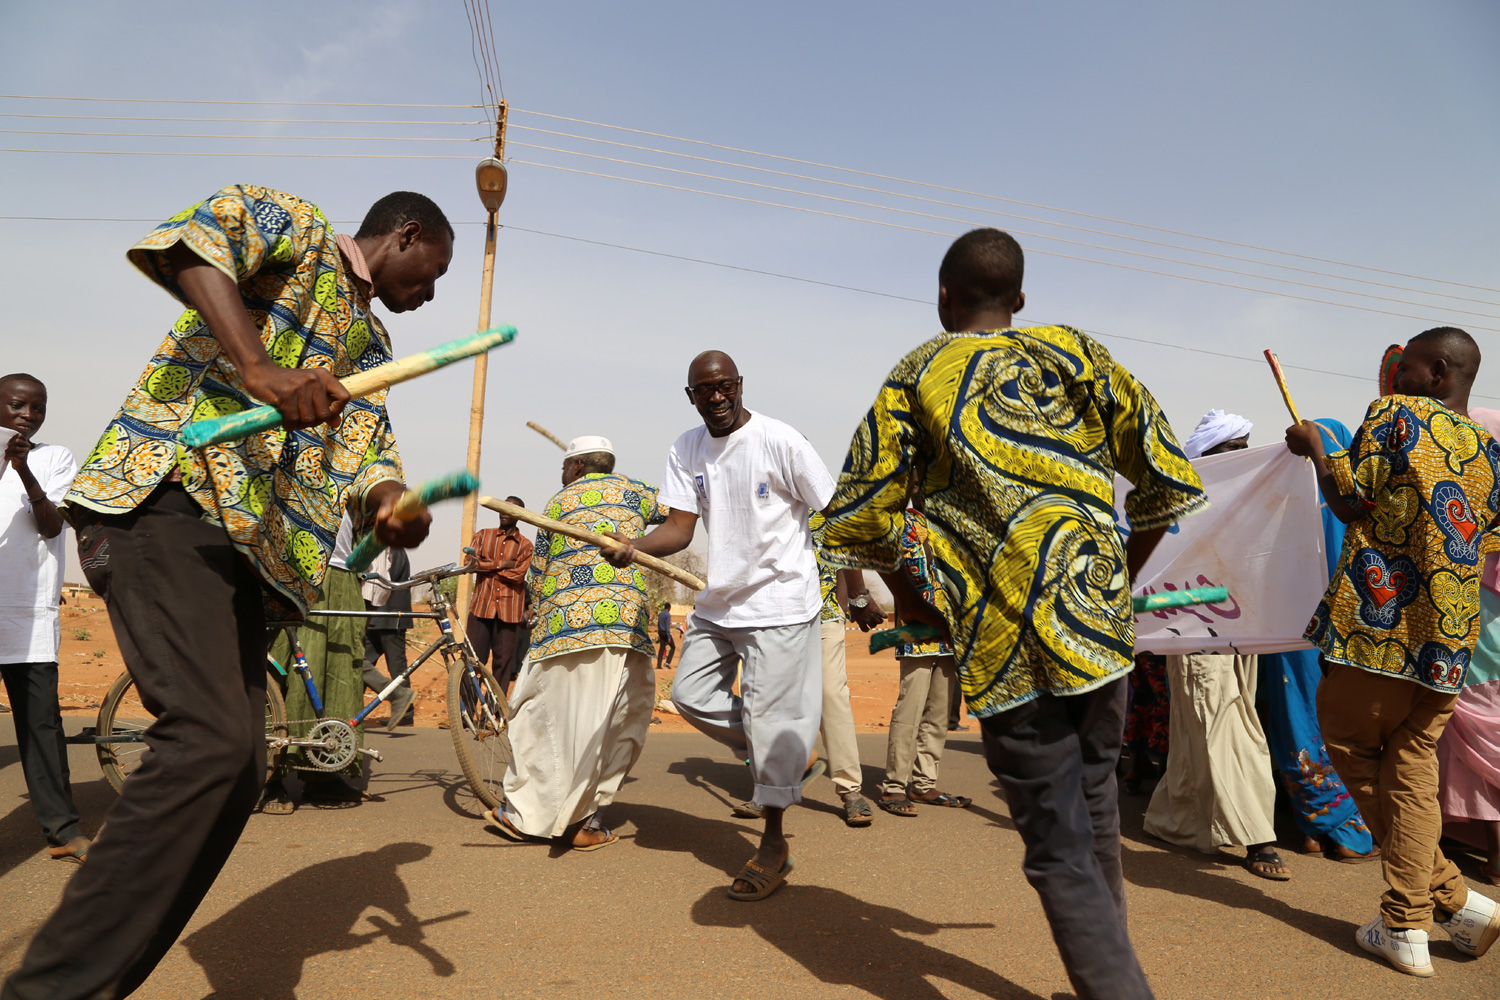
(719, 364)
(714, 389)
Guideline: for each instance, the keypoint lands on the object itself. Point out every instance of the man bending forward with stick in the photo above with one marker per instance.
(752, 480)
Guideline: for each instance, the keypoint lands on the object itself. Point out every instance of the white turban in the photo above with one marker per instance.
(1214, 429)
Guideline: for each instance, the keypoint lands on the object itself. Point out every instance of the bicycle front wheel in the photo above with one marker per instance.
(123, 721)
(479, 720)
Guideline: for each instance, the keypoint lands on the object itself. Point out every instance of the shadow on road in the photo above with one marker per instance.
(815, 926)
(258, 949)
(1186, 871)
(21, 836)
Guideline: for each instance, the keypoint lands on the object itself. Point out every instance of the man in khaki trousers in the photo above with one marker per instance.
(919, 722)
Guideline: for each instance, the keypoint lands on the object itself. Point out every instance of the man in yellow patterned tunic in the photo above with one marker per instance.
(195, 552)
(582, 704)
(1015, 437)
(1419, 487)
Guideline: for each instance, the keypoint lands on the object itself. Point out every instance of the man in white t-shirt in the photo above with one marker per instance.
(34, 477)
(751, 479)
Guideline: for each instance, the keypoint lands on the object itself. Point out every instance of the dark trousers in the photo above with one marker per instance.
(1055, 758)
(32, 688)
(503, 639)
(392, 645)
(186, 609)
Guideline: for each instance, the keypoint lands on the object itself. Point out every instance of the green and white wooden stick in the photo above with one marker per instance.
(410, 504)
(1147, 602)
(236, 426)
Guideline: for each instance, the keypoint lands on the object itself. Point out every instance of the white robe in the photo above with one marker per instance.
(579, 723)
(1219, 787)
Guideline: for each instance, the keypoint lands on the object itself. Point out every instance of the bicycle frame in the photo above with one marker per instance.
(448, 639)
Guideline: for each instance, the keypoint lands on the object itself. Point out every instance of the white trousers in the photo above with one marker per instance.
(776, 715)
(580, 722)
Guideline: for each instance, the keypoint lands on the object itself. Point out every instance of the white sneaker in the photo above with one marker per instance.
(1474, 928)
(1406, 950)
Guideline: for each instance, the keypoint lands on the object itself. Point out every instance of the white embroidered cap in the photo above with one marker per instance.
(587, 445)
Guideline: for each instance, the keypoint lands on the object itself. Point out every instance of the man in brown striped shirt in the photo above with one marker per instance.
(497, 611)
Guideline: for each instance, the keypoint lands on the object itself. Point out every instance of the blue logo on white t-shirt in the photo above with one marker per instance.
(763, 490)
(702, 486)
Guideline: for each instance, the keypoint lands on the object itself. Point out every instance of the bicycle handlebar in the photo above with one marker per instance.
(417, 579)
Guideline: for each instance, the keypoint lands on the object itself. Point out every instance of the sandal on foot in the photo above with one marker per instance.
(502, 826)
(1267, 857)
(945, 800)
(610, 837)
(749, 810)
(1491, 873)
(277, 803)
(857, 811)
(75, 851)
(764, 880)
(1355, 859)
(897, 805)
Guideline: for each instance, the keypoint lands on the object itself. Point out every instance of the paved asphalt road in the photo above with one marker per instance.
(409, 896)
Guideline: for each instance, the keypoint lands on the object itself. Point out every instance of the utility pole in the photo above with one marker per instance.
(491, 178)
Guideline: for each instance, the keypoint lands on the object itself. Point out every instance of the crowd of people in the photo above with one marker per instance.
(980, 486)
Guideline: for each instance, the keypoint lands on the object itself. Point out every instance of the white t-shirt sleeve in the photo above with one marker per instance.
(677, 489)
(60, 475)
(805, 472)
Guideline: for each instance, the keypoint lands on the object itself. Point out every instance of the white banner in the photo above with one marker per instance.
(1262, 537)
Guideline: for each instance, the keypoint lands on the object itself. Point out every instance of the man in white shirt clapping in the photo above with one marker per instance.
(33, 479)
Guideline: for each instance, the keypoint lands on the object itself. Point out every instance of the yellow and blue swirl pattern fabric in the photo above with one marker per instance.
(1404, 599)
(1015, 437)
(279, 494)
(581, 601)
(828, 576)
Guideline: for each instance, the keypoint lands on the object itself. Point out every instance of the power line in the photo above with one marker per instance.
(288, 104)
(991, 211)
(1050, 253)
(777, 274)
(255, 138)
(768, 170)
(805, 162)
(778, 188)
(262, 121)
(1012, 201)
(1020, 232)
(773, 204)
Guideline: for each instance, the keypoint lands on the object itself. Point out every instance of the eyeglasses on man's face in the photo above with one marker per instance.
(702, 392)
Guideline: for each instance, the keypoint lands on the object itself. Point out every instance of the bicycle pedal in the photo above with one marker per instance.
(369, 753)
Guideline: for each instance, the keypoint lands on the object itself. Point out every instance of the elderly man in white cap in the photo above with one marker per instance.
(1219, 787)
(584, 699)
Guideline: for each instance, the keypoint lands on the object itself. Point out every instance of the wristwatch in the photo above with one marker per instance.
(862, 601)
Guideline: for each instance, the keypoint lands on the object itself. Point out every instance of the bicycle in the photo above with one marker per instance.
(478, 713)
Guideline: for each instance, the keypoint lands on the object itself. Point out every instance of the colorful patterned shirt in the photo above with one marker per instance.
(1405, 597)
(582, 601)
(915, 561)
(828, 576)
(1016, 437)
(279, 494)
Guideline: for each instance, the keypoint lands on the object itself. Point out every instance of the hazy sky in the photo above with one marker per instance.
(1362, 133)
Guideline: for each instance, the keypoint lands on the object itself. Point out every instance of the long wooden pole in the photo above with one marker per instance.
(476, 410)
(661, 566)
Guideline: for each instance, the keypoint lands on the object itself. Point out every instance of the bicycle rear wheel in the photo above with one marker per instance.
(123, 719)
(479, 720)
